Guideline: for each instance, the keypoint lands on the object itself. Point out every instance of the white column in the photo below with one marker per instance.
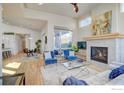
(50, 37)
(0, 43)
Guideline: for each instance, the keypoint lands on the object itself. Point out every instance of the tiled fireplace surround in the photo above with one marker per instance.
(115, 50)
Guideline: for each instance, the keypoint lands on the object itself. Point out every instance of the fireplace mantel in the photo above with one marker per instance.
(106, 36)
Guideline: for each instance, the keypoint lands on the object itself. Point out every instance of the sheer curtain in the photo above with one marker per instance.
(63, 38)
(57, 39)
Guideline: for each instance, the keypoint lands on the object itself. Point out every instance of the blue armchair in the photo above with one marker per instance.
(50, 58)
(69, 55)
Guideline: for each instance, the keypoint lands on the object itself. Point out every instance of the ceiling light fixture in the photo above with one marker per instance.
(76, 9)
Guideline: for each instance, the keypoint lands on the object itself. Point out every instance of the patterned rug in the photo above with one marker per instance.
(55, 74)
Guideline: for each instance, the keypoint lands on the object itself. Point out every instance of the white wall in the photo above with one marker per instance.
(43, 35)
(53, 20)
(9, 42)
(98, 10)
(84, 32)
(57, 20)
(120, 20)
(18, 43)
(102, 8)
(34, 34)
(0, 42)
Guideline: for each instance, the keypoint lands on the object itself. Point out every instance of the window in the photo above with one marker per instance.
(85, 22)
(122, 7)
(66, 39)
(63, 39)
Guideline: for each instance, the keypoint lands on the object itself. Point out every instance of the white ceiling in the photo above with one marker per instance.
(32, 24)
(13, 15)
(64, 9)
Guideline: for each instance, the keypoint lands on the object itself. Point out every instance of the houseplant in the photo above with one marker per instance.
(74, 48)
(38, 45)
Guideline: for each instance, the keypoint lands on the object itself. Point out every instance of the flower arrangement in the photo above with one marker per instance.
(74, 48)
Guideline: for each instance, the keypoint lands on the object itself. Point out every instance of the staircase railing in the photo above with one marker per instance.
(19, 81)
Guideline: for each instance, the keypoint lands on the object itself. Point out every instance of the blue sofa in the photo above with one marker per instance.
(49, 58)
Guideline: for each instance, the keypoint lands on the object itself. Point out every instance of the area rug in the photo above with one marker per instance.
(55, 73)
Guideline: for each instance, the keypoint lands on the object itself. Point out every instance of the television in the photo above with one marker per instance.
(81, 44)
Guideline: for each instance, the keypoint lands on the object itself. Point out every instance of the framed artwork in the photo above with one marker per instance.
(102, 24)
(45, 39)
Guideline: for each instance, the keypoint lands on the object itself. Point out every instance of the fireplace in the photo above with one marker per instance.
(99, 54)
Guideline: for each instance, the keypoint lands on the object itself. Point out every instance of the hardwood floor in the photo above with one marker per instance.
(30, 66)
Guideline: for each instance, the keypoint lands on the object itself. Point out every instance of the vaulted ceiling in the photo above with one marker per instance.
(64, 9)
(14, 13)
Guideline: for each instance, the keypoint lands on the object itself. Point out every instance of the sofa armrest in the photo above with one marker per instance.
(99, 79)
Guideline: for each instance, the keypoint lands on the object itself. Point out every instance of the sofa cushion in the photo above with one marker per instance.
(99, 79)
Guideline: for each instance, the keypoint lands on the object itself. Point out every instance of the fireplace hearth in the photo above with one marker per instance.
(99, 54)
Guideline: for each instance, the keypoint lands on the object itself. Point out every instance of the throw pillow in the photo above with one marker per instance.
(52, 54)
(116, 72)
(74, 81)
(71, 53)
(47, 55)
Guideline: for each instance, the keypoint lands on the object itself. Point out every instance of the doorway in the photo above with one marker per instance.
(20, 42)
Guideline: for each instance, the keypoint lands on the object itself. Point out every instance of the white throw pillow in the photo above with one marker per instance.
(47, 55)
(71, 53)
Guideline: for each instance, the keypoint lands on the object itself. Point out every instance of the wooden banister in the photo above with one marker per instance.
(19, 81)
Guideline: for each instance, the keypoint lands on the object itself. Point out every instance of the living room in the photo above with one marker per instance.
(94, 32)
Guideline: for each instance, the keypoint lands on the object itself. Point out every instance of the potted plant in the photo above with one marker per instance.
(74, 48)
(38, 45)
